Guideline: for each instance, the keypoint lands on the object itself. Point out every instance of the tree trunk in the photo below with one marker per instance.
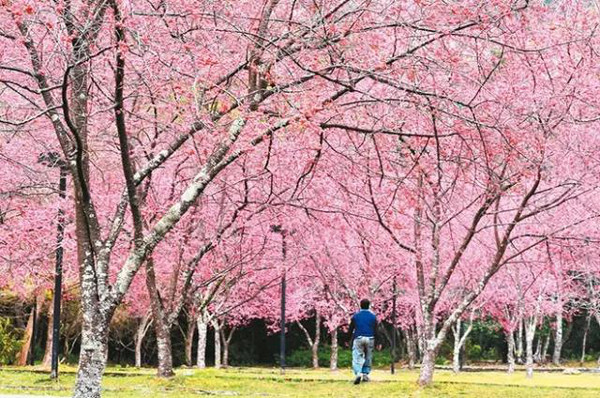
(420, 338)
(164, 351)
(537, 356)
(411, 347)
(226, 342)
(598, 321)
(530, 326)
(92, 357)
(459, 342)
(202, 325)
(333, 359)
(545, 348)
(588, 320)
(217, 328)
(24, 354)
(189, 340)
(456, 352)
(139, 337)
(313, 343)
(558, 338)
(427, 366)
(519, 352)
(47, 360)
(315, 346)
(162, 328)
(510, 358)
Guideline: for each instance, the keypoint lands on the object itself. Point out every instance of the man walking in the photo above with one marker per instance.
(362, 327)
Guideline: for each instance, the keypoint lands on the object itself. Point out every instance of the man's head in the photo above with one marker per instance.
(365, 304)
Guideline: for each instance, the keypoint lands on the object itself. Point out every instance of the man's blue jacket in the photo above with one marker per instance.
(363, 323)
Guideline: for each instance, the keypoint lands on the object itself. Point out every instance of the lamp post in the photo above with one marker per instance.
(52, 159)
(278, 229)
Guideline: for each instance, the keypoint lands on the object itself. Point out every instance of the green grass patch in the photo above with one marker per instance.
(268, 382)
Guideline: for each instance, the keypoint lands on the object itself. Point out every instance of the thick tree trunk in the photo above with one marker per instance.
(510, 358)
(162, 328)
(427, 366)
(530, 326)
(558, 338)
(202, 325)
(217, 328)
(189, 340)
(333, 359)
(139, 337)
(588, 320)
(92, 358)
(164, 351)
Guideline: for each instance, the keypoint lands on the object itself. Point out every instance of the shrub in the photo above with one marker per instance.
(10, 342)
(474, 351)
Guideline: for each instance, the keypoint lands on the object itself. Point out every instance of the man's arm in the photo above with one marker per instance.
(352, 327)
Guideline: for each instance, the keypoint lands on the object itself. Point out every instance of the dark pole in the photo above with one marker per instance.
(33, 333)
(393, 368)
(62, 187)
(282, 324)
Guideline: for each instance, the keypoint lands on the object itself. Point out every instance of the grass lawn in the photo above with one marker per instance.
(264, 382)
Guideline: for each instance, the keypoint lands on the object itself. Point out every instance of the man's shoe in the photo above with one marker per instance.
(357, 380)
(365, 378)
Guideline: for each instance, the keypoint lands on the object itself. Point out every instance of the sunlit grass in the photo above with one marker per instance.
(256, 382)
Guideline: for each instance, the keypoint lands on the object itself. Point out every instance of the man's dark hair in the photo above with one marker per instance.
(365, 304)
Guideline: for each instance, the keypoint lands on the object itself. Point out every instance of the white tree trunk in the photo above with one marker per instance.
(217, 328)
(420, 340)
(530, 326)
(545, 348)
(598, 321)
(588, 320)
(333, 359)
(519, 352)
(226, 342)
(202, 326)
(510, 358)
(537, 356)
(459, 341)
(558, 338)
(315, 345)
(427, 366)
(92, 357)
(225, 354)
(139, 337)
